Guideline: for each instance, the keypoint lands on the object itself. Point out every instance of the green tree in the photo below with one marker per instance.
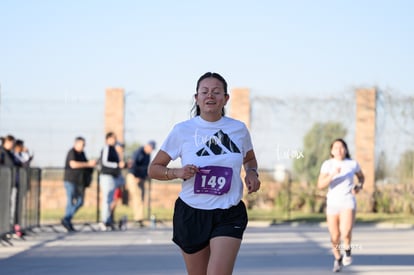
(406, 167)
(381, 170)
(316, 149)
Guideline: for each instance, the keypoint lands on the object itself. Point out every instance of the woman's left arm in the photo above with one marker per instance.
(358, 187)
(361, 177)
(252, 176)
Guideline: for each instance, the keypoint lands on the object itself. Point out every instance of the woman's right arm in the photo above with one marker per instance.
(327, 175)
(158, 167)
(324, 180)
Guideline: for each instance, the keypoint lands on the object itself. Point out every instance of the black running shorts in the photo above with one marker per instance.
(193, 228)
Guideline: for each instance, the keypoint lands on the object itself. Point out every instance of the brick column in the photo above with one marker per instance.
(240, 105)
(365, 142)
(240, 109)
(114, 112)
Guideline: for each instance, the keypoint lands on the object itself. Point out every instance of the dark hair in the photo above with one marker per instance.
(9, 138)
(347, 155)
(109, 135)
(19, 142)
(196, 109)
(79, 139)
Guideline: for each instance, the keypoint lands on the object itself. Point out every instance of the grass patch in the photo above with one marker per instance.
(279, 216)
(385, 218)
(89, 215)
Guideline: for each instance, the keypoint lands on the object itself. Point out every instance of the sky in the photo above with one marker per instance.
(74, 50)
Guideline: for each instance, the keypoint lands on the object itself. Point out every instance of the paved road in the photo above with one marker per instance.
(277, 249)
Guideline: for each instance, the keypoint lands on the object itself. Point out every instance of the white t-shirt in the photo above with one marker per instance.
(341, 184)
(222, 143)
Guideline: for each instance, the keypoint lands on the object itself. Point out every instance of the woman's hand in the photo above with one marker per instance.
(186, 172)
(336, 171)
(252, 181)
(357, 188)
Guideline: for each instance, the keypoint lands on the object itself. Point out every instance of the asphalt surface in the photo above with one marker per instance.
(266, 249)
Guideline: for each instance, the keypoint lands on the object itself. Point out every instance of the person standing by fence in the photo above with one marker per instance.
(209, 216)
(77, 176)
(7, 158)
(118, 193)
(338, 174)
(135, 179)
(22, 154)
(109, 179)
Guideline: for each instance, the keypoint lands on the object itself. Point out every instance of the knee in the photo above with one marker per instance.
(346, 230)
(335, 239)
(346, 234)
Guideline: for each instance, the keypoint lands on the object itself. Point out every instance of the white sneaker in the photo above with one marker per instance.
(102, 226)
(346, 260)
(337, 266)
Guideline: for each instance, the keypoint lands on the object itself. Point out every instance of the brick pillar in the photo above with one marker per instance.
(365, 143)
(240, 105)
(240, 109)
(114, 112)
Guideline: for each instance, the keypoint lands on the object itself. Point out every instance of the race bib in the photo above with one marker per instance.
(214, 180)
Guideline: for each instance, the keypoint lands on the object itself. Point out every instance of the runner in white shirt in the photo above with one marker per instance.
(338, 174)
(209, 215)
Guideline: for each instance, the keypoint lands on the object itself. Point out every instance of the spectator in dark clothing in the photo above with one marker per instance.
(109, 179)
(118, 193)
(77, 176)
(8, 159)
(135, 179)
(22, 154)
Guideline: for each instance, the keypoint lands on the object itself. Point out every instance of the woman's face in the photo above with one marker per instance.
(210, 96)
(338, 150)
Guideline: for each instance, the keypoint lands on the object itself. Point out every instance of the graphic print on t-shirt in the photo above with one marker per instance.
(216, 143)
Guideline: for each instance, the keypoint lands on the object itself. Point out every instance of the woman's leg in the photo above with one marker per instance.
(347, 218)
(223, 253)
(196, 263)
(333, 227)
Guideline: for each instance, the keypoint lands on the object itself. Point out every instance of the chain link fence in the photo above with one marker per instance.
(278, 125)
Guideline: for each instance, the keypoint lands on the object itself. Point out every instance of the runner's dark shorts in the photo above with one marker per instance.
(193, 228)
